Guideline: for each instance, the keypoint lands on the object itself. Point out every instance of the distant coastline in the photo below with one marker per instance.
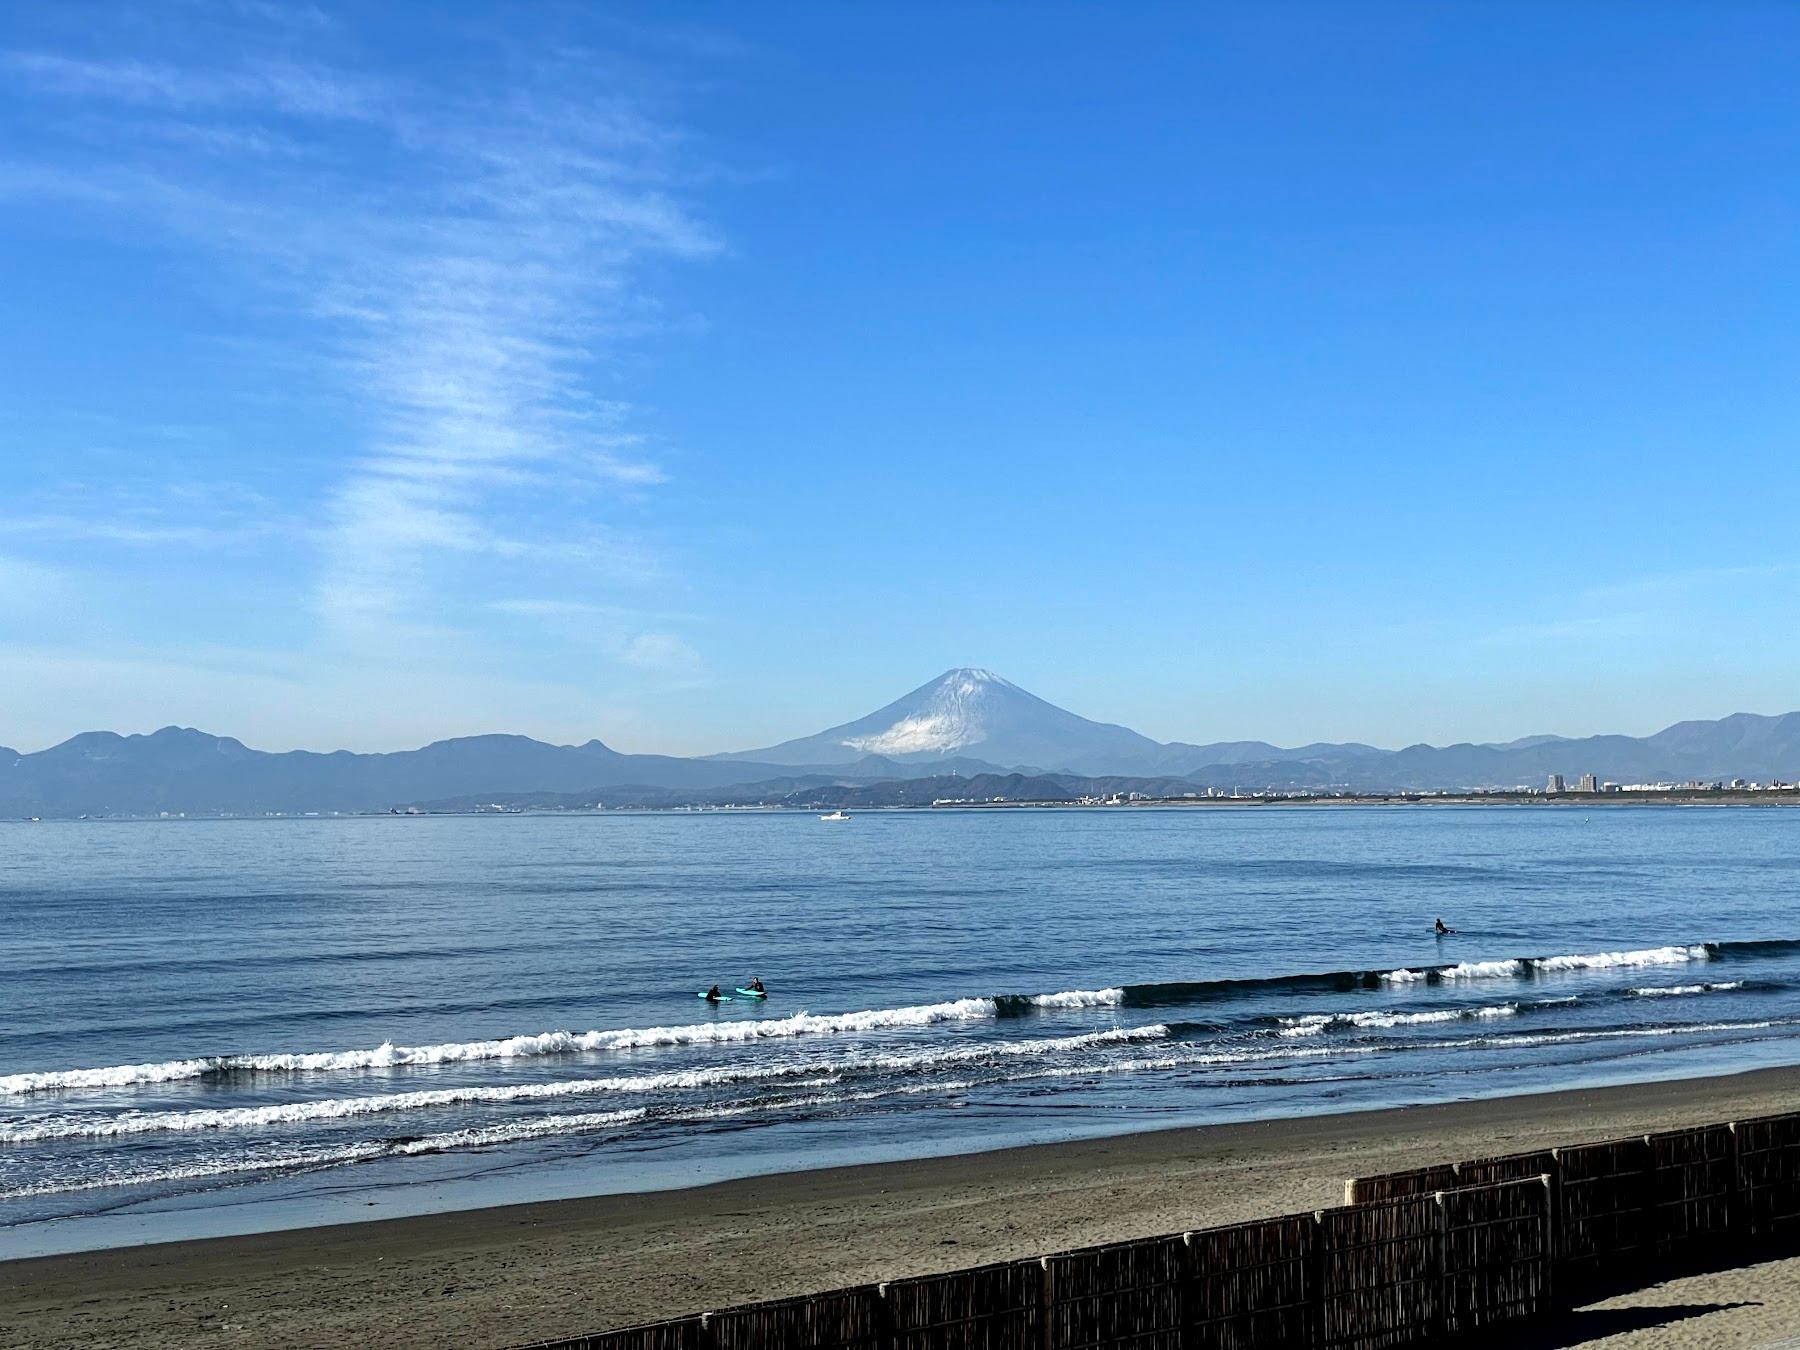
(1678, 797)
(1611, 802)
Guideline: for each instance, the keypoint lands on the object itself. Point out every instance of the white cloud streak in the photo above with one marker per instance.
(464, 259)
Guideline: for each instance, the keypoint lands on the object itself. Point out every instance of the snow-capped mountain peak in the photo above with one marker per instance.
(970, 713)
(951, 715)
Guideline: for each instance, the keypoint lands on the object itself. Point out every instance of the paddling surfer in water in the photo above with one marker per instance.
(1440, 929)
(713, 995)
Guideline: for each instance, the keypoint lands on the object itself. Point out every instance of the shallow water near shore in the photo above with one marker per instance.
(220, 1026)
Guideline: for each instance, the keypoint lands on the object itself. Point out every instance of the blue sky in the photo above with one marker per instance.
(694, 377)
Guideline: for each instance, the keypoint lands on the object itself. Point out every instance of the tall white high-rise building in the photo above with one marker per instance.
(1555, 784)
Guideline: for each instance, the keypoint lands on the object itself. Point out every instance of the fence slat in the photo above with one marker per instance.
(1126, 1294)
(1254, 1285)
(997, 1307)
(1768, 1174)
(1399, 1185)
(1606, 1189)
(682, 1333)
(1381, 1273)
(844, 1319)
(1496, 1253)
(1693, 1187)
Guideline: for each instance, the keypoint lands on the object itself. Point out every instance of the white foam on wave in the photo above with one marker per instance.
(116, 1075)
(1650, 956)
(1463, 970)
(1505, 1040)
(1483, 970)
(366, 1150)
(799, 1074)
(1680, 990)
(1080, 998)
(1313, 1024)
(1521, 966)
(541, 1044)
(309, 1159)
(539, 1127)
(1622, 1033)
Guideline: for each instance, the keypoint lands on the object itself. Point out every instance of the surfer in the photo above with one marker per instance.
(756, 985)
(713, 995)
(1441, 929)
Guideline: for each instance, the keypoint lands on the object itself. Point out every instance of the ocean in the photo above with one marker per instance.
(222, 1026)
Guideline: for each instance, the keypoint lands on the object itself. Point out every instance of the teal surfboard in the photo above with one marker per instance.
(722, 998)
(752, 993)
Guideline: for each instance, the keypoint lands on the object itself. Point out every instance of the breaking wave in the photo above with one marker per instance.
(1679, 990)
(533, 1046)
(1314, 1023)
(743, 1030)
(1080, 998)
(1523, 967)
(798, 1074)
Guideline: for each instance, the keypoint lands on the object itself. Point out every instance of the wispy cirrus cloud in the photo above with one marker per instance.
(141, 511)
(460, 258)
(1641, 607)
(27, 586)
(664, 653)
(265, 86)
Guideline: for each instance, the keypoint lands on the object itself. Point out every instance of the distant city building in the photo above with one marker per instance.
(1555, 784)
(1589, 783)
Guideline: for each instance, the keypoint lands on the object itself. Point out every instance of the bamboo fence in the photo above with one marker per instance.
(1769, 1175)
(1411, 1258)
(998, 1307)
(1253, 1284)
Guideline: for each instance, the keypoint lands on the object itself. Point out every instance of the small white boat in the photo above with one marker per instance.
(836, 815)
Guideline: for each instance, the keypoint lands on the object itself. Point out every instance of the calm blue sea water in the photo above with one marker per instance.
(216, 1026)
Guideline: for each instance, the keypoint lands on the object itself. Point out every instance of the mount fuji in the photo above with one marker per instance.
(970, 714)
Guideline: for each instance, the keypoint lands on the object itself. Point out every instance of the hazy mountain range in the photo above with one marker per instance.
(965, 723)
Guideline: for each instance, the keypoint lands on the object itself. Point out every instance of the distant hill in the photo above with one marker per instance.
(971, 712)
(1743, 745)
(967, 724)
(180, 769)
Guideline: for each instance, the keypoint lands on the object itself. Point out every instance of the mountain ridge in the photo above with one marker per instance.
(966, 723)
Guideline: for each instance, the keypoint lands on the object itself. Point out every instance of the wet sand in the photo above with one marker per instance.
(519, 1273)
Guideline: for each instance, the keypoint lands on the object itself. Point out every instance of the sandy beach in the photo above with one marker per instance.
(505, 1275)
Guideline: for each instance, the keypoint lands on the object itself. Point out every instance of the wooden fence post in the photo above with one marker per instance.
(884, 1314)
(1735, 1208)
(1446, 1290)
(1186, 1296)
(1548, 1299)
(1049, 1305)
(1315, 1277)
(1558, 1236)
